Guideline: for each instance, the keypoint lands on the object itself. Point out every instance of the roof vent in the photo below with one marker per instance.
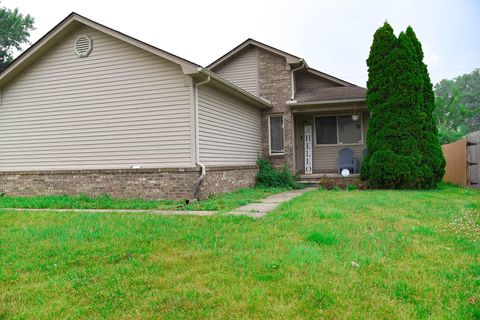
(83, 46)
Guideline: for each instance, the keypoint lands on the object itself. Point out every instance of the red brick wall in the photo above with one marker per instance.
(275, 85)
(166, 183)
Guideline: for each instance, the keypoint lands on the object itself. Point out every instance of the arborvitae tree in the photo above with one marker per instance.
(384, 41)
(395, 98)
(432, 156)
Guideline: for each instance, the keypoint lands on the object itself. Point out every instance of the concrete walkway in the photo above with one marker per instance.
(256, 210)
(259, 209)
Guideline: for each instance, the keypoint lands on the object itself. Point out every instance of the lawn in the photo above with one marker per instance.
(324, 255)
(223, 202)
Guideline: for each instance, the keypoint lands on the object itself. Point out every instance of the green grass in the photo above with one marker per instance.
(418, 256)
(223, 202)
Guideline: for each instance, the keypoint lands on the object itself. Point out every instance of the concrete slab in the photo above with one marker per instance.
(257, 207)
(269, 204)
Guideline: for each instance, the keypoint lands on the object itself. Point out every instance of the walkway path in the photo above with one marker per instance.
(259, 209)
(256, 210)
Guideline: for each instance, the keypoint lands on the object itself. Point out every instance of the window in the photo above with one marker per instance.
(326, 129)
(275, 125)
(338, 130)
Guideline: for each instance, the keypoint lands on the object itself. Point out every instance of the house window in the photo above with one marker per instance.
(338, 130)
(275, 124)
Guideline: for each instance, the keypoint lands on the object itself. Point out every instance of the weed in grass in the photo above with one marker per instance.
(404, 292)
(423, 230)
(422, 310)
(318, 298)
(466, 225)
(326, 238)
(321, 214)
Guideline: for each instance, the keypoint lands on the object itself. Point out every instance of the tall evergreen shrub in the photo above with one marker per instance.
(432, 156)
(395, 98)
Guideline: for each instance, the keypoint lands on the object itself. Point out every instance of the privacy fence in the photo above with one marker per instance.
(463, 161)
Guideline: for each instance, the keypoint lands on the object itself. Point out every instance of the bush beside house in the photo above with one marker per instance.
(270, 177)
(403, 148)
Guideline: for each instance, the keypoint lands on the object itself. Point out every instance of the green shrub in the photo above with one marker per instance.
(403, 148)
(268, 176)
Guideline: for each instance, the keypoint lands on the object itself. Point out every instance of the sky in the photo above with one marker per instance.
(332, 36)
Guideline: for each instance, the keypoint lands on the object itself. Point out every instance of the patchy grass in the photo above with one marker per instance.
(221, 202)
(324, 255)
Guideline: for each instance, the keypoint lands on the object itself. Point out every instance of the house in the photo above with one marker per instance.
(87, 109)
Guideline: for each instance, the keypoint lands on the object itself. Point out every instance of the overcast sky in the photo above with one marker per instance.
(332, 36)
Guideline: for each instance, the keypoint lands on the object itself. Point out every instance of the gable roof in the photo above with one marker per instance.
(329, 77)
(291, 59)
(73, 20)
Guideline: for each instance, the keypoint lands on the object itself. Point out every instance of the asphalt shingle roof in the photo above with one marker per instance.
(333, 93)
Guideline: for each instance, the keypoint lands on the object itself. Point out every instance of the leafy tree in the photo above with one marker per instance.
(395, 98)
(433, 160)
(457, 106)
(14, 31)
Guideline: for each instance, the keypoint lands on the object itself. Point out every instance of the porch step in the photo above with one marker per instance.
(328, 180)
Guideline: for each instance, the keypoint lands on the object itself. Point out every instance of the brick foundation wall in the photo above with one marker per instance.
(166, 183)
(275, 85)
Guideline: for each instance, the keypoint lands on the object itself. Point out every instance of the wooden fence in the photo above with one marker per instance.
(463, 161)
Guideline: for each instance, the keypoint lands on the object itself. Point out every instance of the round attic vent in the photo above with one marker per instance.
(83, 46)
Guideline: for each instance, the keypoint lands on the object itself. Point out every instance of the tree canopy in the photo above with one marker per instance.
(14, 31)
(457, 106)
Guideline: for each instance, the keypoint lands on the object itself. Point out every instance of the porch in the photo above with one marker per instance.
(328, 129)
(330, 180)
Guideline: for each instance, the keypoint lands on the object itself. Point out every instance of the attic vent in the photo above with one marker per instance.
(83, 46)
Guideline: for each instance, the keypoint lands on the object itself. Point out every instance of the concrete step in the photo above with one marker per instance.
(328, 180)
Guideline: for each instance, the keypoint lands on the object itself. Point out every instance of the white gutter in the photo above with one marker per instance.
(197, 139)
(293, 77)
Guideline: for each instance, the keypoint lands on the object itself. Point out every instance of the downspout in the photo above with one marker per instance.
(202, 176)
(293, 78)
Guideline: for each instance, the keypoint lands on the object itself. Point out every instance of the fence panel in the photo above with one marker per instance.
(473, 159)
(456, 157)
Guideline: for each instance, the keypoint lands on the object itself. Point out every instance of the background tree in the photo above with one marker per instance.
(457, 106)
(14, 31)
(432, 160)
(395, 98)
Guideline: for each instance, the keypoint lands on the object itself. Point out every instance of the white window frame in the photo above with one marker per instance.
(269, 135)
(336, 118)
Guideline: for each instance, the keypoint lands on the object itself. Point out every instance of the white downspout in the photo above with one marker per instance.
(293, 78)
(197, 139)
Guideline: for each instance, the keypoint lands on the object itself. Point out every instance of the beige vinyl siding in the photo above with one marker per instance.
(324, 157)
(306, 80)
(118, 107)
(230, 131)
(242, 70)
